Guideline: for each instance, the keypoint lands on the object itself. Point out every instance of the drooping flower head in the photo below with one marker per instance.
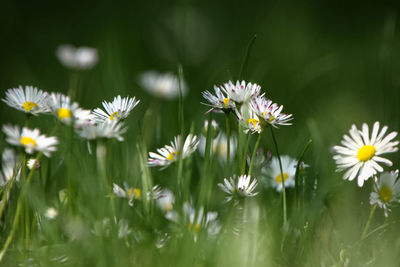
(31, 100)
(386, 191)
(31, 140)
(78, 58)
(241, 186)
(269, 112)
(360, 154)
(119, 109)
(170, 153)
(272, 173)
(165, 85)
(67, 111)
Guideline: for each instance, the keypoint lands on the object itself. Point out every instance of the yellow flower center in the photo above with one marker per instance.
(134, 192)
(272, 118)
(226, 102)
(254, 122)
(28, 106)
(64, 113)
(172, 155)
(168, 206)
(366, 152)
(112, 116)
(196, 227)
(385, 194)
(26, 141)
(278, 178)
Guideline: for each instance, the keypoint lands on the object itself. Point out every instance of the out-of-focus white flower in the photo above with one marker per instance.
(219, 147)
(108, 130)
(9, 162)
(119, 109)
(241, 187)
(360, 154)
(166, 200)
(273, 172)
(33, 164)
(31, 140)
(163, 85)
(133, 193)
(386, 191)
(169, 154)
(51, 213)
(214, 128)
(68, 112)
(78, 58)
(31, 100)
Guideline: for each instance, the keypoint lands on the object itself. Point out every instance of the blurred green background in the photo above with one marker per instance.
(330, 63)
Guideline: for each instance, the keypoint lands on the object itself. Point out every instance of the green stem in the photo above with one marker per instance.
(282, 178)
(246, 148)
(254, 152)
(371, 214)
(228, 141)
(246, 56)
(18, 212)
(101, 164)
(73, 85)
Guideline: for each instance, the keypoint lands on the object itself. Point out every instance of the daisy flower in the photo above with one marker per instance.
(241, 92)
(196, 221)
(108, 130)
(162, 85)
(31, 100)
(67, 111)
(170, 153)
(386, 191)
(31, 140)
(166, 200)
(79, 58)
(360, 153)
(119, 109)
(219, 101)
(249, 119)
(133, 193)
(240, 187)
(269, 112)
(273, 172)
(9, 162)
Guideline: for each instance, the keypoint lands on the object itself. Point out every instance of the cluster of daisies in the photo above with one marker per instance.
(88, 124)
(361, 157)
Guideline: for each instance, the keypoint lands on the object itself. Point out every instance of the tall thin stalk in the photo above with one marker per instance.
(228, 141)
(282, 177)
(254, 152)
(371, 215)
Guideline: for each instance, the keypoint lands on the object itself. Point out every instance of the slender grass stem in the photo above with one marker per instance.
(228, 142)
(19, 211)
(246, 148)
(254, 152)
(246, 56)
(371, 215)
(101, 153)
(296, 176)
(73, 85)
(282, 178)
